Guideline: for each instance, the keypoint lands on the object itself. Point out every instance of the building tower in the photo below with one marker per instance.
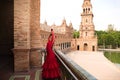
(88, 39)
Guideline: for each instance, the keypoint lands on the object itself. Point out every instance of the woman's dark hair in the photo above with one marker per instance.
(51, 29)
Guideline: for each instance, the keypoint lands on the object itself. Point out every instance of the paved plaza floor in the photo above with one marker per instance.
(96, 64)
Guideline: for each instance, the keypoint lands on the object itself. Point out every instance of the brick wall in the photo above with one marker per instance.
(35, 23)
(22, 24)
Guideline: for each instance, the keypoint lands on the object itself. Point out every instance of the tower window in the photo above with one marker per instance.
(88, 9)
(86, 33)
(86, 20)
(83, 10)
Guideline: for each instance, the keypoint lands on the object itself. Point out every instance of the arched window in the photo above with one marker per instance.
(88, 9)
(84, 10)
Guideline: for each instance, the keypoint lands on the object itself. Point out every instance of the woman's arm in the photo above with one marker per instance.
(53, 36)
(49, 37)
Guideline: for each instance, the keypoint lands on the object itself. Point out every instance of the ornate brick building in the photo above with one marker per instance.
(87, 40)
(61, 29)
(63, 33)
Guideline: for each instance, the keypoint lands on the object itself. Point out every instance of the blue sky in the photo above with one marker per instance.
(105, 12)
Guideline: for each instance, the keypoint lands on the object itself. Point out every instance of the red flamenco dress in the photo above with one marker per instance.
(50, 68)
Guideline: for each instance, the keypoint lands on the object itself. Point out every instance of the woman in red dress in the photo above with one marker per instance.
(50, 68)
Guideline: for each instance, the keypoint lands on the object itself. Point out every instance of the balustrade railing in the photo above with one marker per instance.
(69, 69)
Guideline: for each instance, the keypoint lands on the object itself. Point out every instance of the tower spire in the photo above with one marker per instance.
(87, 0)
(87, 25)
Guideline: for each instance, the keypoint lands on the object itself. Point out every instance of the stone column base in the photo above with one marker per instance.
(21, 59)
(35, 57)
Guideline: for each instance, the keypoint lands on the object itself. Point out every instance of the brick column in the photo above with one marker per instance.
(35, 56)
(21, 35)
(21, 59)
(35, 23)
(26, 34)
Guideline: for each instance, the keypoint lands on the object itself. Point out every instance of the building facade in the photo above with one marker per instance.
(63, 33)
(87, 40)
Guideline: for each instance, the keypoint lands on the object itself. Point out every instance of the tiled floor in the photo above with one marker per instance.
(34, 74)
(7, 73)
